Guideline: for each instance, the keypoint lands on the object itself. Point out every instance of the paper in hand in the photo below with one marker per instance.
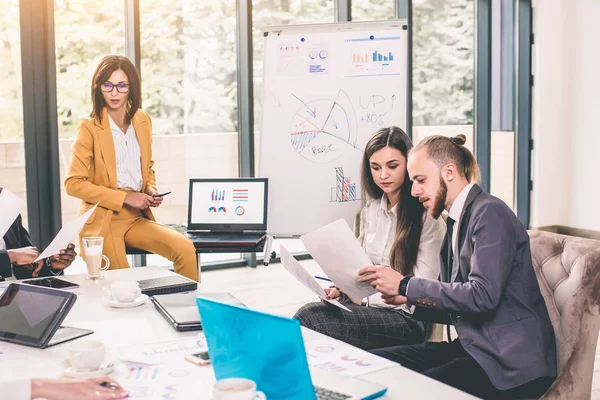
(67, 233)
(341, 256)
(11, 207)
(298, 271)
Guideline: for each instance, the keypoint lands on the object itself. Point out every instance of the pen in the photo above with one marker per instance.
(108, 385)
(162, 194)
(323, 278)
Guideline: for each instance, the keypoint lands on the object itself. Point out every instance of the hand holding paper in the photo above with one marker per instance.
(385, 280)
(68, 232)
(341, 256)
(298, 271)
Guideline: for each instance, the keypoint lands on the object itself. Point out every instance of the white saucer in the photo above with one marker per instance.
(106, 369)
(109, 301)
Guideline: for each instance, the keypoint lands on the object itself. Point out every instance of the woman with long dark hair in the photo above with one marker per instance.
(395, 232)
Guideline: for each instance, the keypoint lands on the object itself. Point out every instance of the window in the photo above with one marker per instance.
(189, 88)
(85, 31)
(372, 10)
(443, 69)
(12, 149)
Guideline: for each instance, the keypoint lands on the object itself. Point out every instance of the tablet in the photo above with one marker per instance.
(52, 282)
(31, 315)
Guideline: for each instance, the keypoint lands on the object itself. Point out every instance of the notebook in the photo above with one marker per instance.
(269, 349)
(227, 212)
(181, 311)
(167, 285)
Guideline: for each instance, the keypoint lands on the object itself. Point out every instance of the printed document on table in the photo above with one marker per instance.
(68, 232)
(299, 272)
(341, 358)
(11, 207)
(341, 256)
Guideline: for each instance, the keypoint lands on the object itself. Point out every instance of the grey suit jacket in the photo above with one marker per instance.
(493, 295)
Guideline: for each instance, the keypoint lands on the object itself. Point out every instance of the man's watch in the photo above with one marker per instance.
(403, 286)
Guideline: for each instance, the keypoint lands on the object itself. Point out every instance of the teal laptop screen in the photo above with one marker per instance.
(268, 349)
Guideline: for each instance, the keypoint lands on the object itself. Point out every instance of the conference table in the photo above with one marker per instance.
(122, 328)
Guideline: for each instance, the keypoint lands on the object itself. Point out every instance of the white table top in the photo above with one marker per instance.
(126, 327)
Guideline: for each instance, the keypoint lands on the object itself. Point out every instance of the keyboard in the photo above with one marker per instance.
(210, 237)
(326, 394)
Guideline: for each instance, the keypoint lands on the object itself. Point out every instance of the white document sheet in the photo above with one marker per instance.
(341, 256)
(297, 270)
(10, 206)
(162, 352)
(67, 233)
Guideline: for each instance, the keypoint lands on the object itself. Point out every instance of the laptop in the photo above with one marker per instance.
(167, 285)
(31, 316)
(181, 311)
(227, 212)
(269, 349)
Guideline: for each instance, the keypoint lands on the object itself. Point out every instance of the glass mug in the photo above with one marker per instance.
(92, 255)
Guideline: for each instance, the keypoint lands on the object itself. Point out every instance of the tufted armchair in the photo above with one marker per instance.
(568, 271)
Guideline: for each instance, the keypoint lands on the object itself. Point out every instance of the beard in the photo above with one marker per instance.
(440, 200)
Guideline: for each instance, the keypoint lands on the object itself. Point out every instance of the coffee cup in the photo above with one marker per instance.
(92, 254)
(125, 291)
(237, 389)
(87, 356)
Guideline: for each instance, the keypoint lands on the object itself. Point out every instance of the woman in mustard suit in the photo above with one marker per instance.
(112, 165)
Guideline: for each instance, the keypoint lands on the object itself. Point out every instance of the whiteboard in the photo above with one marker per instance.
(326, 89)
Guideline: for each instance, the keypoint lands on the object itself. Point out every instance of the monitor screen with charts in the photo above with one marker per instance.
(228, 205)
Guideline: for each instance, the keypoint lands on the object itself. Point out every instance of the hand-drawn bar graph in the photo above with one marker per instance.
(343, 190)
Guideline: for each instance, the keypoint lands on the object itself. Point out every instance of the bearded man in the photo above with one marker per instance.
(488, 291)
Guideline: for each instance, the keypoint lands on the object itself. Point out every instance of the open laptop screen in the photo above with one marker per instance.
(231, 205)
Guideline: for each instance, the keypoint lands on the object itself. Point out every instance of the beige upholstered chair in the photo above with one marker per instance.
(568, 271)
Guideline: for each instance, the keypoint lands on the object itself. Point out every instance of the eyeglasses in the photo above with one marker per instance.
(121, 87)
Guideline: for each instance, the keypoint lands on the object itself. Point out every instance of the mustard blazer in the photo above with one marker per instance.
(92, 174)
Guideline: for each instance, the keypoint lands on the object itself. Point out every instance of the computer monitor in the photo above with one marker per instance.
(228, 205)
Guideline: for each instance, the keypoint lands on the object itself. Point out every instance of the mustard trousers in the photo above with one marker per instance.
(129, 227)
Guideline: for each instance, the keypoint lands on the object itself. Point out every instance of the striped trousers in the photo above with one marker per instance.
(365, 327)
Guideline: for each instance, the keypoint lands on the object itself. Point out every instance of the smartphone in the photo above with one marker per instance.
(201, 358)
(52, 282)
(162, 194)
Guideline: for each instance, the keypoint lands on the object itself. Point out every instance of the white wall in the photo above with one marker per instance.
(566, 108)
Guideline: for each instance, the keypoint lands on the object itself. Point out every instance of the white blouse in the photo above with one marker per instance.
(377, 231)
(128, 156)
